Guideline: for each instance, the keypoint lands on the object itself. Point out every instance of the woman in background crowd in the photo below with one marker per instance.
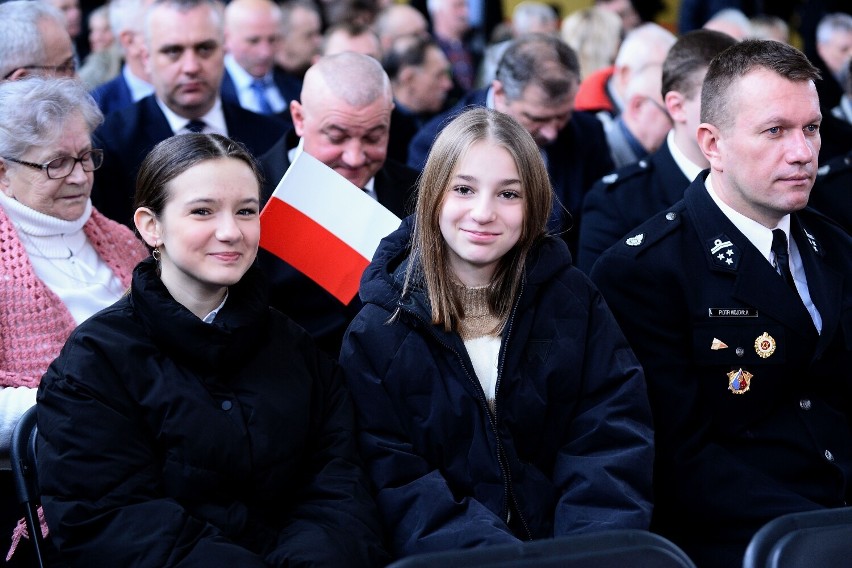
(595, 34)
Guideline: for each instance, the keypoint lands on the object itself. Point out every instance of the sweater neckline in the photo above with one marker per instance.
(36, 224)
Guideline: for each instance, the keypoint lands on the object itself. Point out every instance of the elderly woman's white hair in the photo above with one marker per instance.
(33, 110)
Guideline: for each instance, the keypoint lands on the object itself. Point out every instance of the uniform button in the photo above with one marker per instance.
(740, 351)
(829, 456)
(671, 215)
(805, 404)
(227, 405)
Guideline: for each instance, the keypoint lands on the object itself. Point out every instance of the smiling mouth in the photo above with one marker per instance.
(481, 235)
(226, 255)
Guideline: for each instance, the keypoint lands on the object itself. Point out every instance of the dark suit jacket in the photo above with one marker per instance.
(575, 161)
(694, 298)
(836, 138)
(320, 313)
(403, 128)
(128, 135)
(625, 199)
(832, 193)
(289, 87)
(113, 95)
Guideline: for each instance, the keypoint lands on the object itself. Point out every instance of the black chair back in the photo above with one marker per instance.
(22, 458)
(813, 538)
(608, 549)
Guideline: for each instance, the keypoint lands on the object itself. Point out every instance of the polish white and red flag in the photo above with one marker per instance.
(324, 226)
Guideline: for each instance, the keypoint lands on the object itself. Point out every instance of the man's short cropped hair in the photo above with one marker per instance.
(740, 59)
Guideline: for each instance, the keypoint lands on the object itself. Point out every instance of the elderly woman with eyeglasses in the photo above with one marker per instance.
(60, 260)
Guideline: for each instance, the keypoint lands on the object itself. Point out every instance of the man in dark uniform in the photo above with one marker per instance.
(832, 193)
(343, 120)
(738, 303)
(622, 200)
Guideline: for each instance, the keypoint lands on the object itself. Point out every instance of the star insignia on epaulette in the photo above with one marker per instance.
(610, 178)
(823, 170)
(723, 252)
(635, 240)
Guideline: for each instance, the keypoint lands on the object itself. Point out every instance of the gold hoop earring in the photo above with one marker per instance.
(156, 253)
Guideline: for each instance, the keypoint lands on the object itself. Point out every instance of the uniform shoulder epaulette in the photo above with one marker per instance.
(653, 230)
(627, 172)
(834, 167)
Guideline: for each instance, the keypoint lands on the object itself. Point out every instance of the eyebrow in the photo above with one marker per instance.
(60, 154)
(542, 118)
(469, 178)
(206, 200)
(784, 121)
(345, 130)
(209, 43)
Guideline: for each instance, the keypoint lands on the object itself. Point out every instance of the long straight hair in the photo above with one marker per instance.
(429, 265)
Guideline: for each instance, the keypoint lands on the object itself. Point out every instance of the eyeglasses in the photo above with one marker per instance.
(67, 69)
(62, 167)
(659, 107)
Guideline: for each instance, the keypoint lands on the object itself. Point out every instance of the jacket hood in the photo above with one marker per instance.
(212, 348)
(382, 281)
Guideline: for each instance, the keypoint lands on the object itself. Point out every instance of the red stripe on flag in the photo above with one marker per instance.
(311, 249)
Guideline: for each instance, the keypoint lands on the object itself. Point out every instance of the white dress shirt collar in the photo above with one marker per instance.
(214, 119)
(689, 168)
(139, 88)
(761, 238)
(242, 84)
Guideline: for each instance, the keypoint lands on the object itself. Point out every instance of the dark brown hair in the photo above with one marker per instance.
(175, 155)
(689, 57)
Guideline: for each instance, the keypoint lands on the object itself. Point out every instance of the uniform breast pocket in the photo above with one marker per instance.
(741, 368)
(736, 344)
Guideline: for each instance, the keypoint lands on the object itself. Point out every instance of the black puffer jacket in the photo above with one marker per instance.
(569, 448)
(165, 441)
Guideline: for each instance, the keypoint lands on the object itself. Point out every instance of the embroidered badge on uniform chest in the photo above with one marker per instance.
(723, 253)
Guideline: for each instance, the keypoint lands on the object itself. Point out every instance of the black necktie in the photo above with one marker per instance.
(782, 260)
(195, 125)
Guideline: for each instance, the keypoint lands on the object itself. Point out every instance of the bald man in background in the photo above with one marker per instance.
(343, 120)
(399, 21)
(251, 80)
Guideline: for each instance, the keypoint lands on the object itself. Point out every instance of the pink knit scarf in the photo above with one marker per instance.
(34, 322)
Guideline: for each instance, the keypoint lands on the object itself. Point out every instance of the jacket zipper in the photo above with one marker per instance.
(508, 494)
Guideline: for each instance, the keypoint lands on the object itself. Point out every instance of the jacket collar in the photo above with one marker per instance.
(728, 251)
(214, 348)
(383, 280)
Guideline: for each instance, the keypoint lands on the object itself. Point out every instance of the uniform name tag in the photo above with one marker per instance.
(732, 313)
